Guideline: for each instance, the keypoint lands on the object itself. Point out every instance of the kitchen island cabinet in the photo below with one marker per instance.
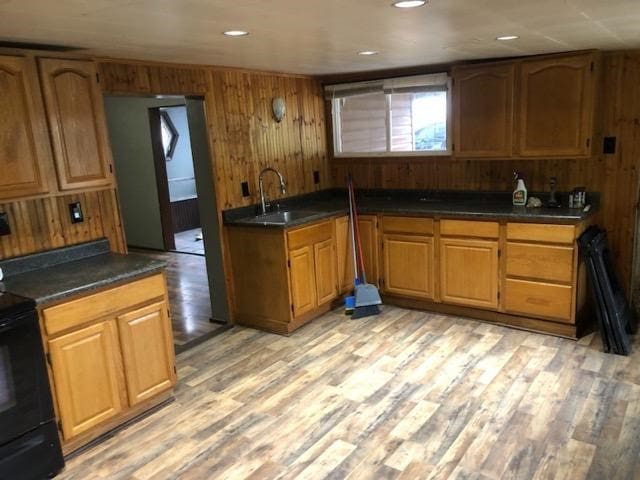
(110, 355)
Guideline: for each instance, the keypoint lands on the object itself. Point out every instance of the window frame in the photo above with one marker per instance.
(337, 131)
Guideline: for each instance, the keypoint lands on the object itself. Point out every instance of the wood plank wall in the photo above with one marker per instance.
(44, 223)
(615, 176)
(244, 137)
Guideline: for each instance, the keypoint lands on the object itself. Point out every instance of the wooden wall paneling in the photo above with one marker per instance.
(124, 78)
(44, 223)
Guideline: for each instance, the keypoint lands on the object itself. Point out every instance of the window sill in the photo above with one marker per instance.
(393, 154)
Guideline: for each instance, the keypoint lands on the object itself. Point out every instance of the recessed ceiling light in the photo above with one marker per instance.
(409, 3)
(235, 33)
(507, 37)
(367, 53)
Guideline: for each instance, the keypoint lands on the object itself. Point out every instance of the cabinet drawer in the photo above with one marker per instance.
(538, 299)
(102, 304)
(469, 228)
(417, 225)
(541, 232)
(309, 235)
(544, 262)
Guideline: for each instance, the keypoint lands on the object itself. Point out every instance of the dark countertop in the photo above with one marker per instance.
(471, 205)
(74, 273)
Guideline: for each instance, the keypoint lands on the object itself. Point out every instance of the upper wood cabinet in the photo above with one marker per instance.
(483, 110)
(556, 105)
(77, 122)
(25, 153)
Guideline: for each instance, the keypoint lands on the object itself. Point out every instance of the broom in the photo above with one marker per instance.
(367, 296)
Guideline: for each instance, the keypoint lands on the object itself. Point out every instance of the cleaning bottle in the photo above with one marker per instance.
(520, 192)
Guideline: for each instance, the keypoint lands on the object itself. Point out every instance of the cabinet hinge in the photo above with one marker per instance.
(588, 142)
(498, 295)
(97, 77)
(292, 307)
(453, 147)
(499, 253)
(48, 357)
(59, 423)
(288, 263)
(110, 168)
(592, 66)
(175, 370)
(381, 281)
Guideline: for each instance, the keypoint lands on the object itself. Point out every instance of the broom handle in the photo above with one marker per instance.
(353, 234)
(357, 233)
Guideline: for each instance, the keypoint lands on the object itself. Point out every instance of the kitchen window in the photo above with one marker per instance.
(400, 116)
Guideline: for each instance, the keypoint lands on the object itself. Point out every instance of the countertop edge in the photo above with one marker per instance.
(93, 286)
(512, 217)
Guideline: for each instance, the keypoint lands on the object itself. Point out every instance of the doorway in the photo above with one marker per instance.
(175, 179)
(164, 177)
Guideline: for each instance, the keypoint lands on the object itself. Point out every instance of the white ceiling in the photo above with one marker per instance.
(321, 36)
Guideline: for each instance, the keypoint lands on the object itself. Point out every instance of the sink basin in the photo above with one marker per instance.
(282, 217)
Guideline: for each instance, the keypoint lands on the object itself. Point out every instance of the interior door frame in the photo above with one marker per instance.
(162, 181)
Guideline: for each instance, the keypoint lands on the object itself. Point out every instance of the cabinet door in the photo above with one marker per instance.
(24, 139)
(147, 351)
(408, 265)
(303, 289)
(77, 122)
(325, 268)
(344, 255)
(469, 272)
(87, 375)
(368, 227)
(483, 110)
(556, 106)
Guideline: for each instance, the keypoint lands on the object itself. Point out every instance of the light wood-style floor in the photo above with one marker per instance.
(404, 395)
(188, 288)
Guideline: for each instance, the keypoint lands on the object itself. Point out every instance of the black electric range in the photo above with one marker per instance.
(29, 441)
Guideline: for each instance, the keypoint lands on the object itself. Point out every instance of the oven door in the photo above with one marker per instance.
(25, 399)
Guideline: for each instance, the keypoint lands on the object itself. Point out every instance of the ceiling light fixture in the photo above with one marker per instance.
(235, 33)
(366, 53)
(409, 3)
(507, 37)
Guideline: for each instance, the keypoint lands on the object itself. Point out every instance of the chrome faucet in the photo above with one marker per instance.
(283, 188)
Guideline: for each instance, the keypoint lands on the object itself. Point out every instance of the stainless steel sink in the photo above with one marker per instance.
(282, 217)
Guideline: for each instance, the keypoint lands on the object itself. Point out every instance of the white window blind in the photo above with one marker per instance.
(391, 116)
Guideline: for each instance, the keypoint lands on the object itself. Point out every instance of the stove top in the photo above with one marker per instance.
(11, 304)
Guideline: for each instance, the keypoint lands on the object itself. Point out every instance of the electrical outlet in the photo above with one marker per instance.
(609, 145)
(5, 229)
(245, 189)
(316, 177)
(75, 212)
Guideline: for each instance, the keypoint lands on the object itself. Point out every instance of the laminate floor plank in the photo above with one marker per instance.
(403, 395)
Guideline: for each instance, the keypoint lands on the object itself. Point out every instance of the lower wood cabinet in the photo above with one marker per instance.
(408, 265)
(303, 293)
(290, 277)
(469, 272)
(344, 254)
(88, 377)
(541, 271)
(147, 351)
(111, 354)
(324, 261)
